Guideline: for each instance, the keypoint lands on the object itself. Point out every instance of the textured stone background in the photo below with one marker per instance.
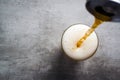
(30, 42)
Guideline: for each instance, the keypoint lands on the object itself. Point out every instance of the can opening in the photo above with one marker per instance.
(100, 10)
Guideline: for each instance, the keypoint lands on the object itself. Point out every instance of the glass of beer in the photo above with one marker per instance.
(70, 38)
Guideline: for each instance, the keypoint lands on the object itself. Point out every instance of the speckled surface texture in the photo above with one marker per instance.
(30, 42)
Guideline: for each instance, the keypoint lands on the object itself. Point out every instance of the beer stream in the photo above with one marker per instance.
(96, 23)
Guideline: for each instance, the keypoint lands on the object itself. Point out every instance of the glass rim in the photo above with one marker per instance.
(79, 59)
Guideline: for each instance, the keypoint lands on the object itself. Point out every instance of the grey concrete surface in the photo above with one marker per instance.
(30, 42)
